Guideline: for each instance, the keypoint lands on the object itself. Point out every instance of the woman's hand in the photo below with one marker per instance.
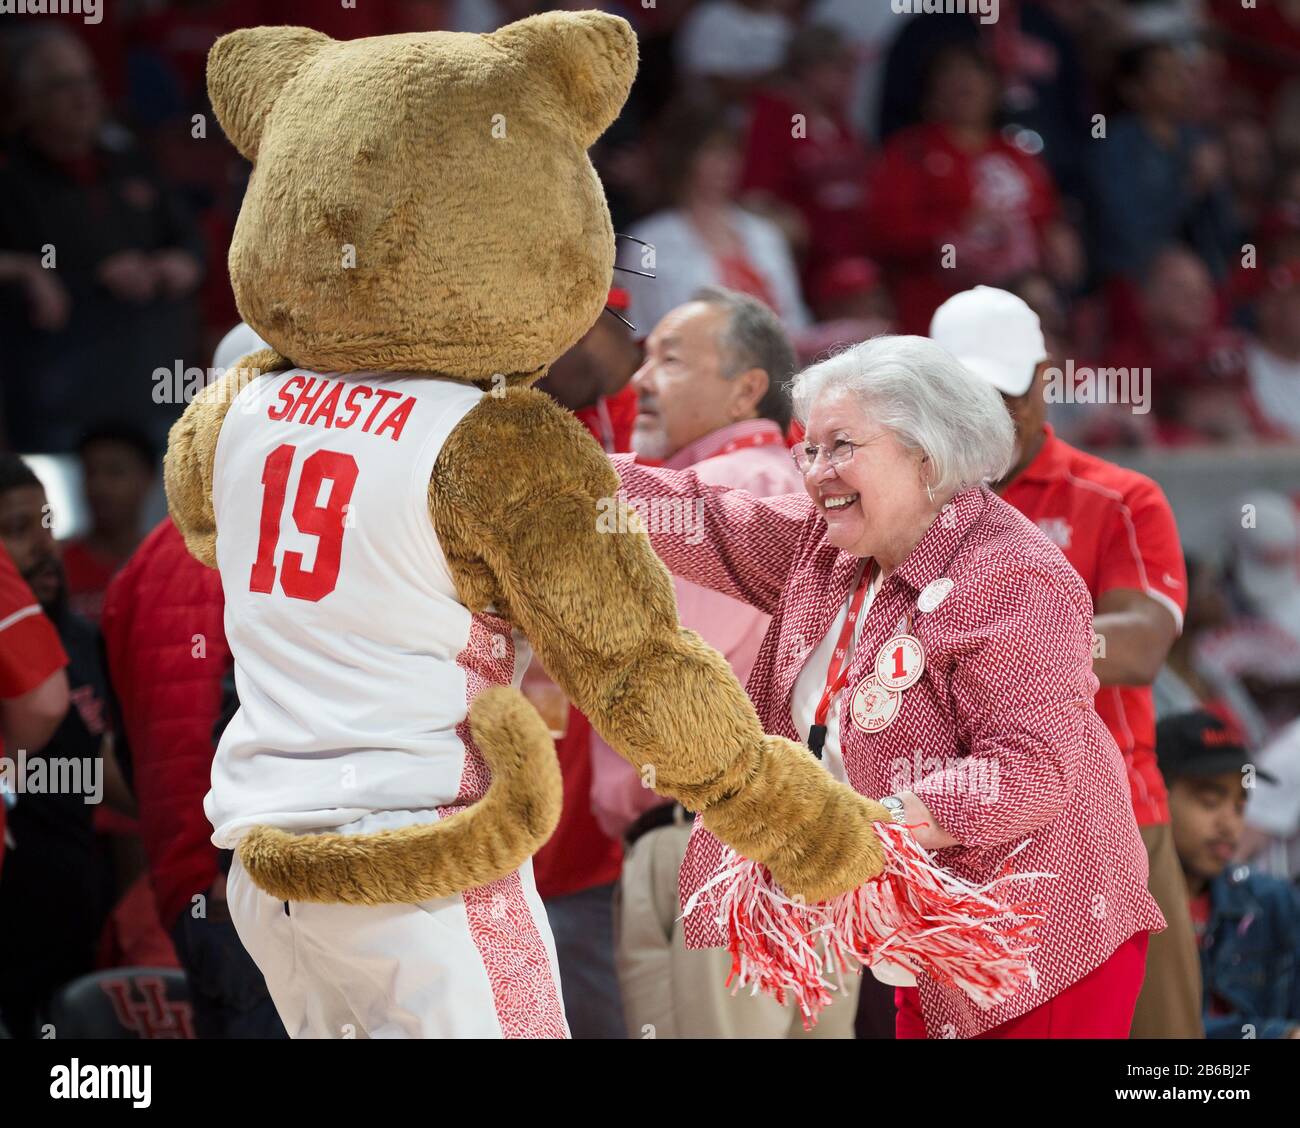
(924, 826)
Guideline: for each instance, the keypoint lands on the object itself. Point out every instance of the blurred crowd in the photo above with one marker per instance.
(1131, 170)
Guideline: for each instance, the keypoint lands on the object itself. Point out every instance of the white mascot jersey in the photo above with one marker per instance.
(355, 661)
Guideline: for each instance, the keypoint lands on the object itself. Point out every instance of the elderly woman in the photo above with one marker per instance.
(934, 650)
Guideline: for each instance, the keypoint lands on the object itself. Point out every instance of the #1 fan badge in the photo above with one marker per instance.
(874, 705)
(900, 662)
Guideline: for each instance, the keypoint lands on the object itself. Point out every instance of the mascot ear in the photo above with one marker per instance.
(590, 58)
(247, 69)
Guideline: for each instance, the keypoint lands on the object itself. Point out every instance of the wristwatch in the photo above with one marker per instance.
(894, 805)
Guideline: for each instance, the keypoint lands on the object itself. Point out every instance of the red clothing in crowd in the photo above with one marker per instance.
(30, 650)
(929, 194)
(1262, 46)
(1199, 387)
(579, 854)
(611, 419)
(167, 654)
(88, 575)
(1116, 529)
(821, 174)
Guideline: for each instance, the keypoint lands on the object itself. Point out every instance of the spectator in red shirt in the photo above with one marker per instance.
(1198, 382)
(851, 304)
(118, 469)
(593, 379)
(955, 203)
(804, 166)
(33, 685)
(1117, 531)
(57, 884)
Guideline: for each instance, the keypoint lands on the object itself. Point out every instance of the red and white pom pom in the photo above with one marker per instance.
(914, 916)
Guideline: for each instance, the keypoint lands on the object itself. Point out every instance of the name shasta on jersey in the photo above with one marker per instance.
(321, 402)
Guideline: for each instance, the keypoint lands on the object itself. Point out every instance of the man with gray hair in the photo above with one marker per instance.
(712, 397)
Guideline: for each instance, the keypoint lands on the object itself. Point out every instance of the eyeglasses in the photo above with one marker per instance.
(629, 254)
(807, 455)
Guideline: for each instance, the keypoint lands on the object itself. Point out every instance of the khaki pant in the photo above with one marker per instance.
(1170, 1003)
(672, 992)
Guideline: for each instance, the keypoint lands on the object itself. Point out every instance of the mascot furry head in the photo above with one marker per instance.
(423, 204)
(435, 162)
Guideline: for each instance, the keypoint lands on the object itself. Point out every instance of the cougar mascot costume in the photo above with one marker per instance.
(397, 516)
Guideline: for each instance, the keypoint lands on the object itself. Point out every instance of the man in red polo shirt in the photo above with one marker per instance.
(33, 687)
(1117, 530)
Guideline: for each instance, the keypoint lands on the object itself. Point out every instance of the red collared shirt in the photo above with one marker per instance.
(999, 738)
(1117, 530)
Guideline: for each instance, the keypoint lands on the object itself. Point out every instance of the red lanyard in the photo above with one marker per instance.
(762, 439)
(837, 673)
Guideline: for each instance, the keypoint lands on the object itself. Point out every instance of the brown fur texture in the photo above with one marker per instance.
(454, 167)
(424, 203)
(520, 532)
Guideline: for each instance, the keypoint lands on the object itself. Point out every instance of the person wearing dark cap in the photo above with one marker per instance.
(1247, 924)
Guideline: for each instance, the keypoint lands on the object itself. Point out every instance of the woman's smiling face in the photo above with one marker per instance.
(877, 499)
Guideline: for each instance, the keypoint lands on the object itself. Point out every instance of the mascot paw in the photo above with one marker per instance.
(837, 853)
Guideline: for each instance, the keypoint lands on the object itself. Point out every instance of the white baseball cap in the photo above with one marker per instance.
(994, 334)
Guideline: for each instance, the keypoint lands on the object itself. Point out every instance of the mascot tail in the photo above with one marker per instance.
(486, 841)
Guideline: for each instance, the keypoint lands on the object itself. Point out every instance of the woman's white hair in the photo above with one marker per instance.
(928, 399)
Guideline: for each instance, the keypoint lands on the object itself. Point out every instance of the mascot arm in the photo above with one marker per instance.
(514, 499)
(192, 449)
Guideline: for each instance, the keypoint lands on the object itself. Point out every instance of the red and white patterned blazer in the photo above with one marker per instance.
(999, 738)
